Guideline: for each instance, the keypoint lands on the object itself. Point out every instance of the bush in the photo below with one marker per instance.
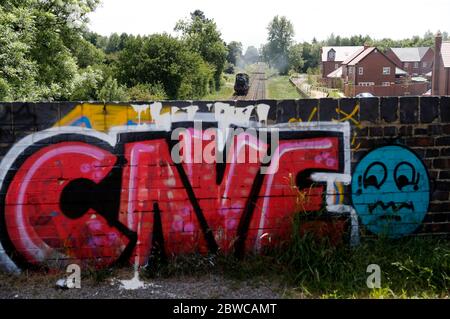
(147, 92)
(112, 91)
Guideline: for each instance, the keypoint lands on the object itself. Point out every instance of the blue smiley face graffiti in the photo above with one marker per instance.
(391, 191)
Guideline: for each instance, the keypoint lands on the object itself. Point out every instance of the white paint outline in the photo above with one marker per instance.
(112, 137)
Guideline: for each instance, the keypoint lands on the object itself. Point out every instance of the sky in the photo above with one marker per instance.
(246, 20)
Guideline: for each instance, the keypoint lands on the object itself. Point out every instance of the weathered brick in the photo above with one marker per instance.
(445, 109)
(443, 141)
(390, 131)
(370, 109)
(376, 131)
(409, 109)
(308, 108)
(445, 128)
(389, 109)
(440, 195)
(420, 131)
(439, 207)
(327, 110)
(287, 110)
(440, 218)
(420, 141)
(431, 153)
(420, 151)
(444, 174)
(442, 185)
(362, 131)
(429, 109)
(406, 130)
(434, 129)
(443, 163)
(434, 174)
(445, 152)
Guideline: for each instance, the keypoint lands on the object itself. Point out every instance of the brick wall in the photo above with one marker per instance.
(98, 184)
(410, 89)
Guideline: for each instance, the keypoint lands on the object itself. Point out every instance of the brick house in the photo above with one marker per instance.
(441, 68)
(368, 67)
(415, 61)
(370, 70)
(332, 57)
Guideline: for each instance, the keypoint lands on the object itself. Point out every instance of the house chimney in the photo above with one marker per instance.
(436, 64)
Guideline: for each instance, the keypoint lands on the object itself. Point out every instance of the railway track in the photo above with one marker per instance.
(257, 89)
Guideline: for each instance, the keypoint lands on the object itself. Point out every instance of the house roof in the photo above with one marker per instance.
(445, 52)
(361, 55)
(335, 74)
(354, 55)
(358, 58)
(410, 54)
(342, 53)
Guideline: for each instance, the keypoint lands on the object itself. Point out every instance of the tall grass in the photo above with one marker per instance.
(410, 267)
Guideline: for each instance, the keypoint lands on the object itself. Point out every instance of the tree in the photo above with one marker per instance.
(37, 38)
(311, 55)
(202, 36)
(251, 55)
(280, 37)
(18, 73)
(234, 52)
(86, 53)
(87, 85)
(112, 91)
(296, 61)
(163, 59)
(114, 43)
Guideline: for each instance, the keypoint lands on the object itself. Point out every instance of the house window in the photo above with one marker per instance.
(350, 70)
(331, 55)
(336, 66)
(360, 70)
(366, 83)
(416, 65)
(424, 64)
(406, 64)
(386, 70)
(386, 84)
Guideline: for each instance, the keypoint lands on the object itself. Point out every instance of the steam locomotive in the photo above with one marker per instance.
(242, 84)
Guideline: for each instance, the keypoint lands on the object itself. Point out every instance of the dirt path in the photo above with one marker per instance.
(34, 285)
(302, 84)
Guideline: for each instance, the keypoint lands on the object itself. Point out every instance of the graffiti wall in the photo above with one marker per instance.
(102, 184)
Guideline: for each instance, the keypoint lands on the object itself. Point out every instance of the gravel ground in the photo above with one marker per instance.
(43, 286)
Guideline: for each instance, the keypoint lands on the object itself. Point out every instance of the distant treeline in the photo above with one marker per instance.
(47, 54)
(286, 55)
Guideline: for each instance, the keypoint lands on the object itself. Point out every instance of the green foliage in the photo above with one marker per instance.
(408, 265)
(147, 92)
(166, 60)
(280, 38)
(36, 42)
(87, 84)
(295, 57)
(234, 52)
(112, 91)
(87, 54)
(279, 87)
(311, 55)
(202, 36)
